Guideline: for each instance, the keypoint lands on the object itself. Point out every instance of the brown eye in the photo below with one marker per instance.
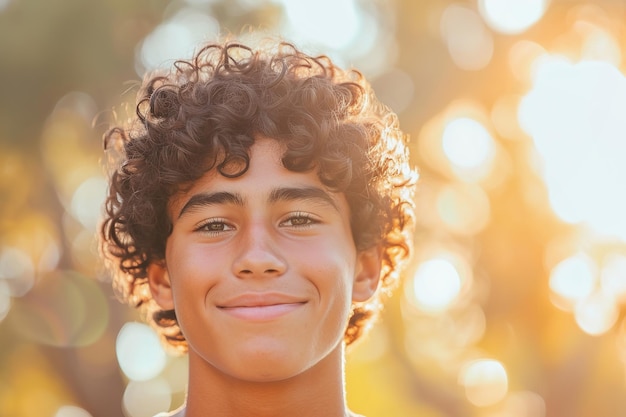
(299, 220)
(214, 226)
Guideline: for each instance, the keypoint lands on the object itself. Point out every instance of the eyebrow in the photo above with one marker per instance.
(211, 199)
(276, 195)
(302, 193)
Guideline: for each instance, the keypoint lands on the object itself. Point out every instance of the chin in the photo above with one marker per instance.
(270, 365)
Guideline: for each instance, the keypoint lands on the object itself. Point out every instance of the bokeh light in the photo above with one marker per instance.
(573, 280)
(16, 270)
(64, 309)
(5, 299)
(467, 143)
(485, 382)
(71, 411)
(511, 16)
(139, 352)
(146, 398)
(330, 23)
(175, 38)
(88, 200)
(613, 276)
(596, 314)
(436, 285)
(575, 115)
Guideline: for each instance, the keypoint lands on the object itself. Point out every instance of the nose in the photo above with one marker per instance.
(258, 255)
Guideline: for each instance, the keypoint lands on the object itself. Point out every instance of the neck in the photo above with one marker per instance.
(316, 392)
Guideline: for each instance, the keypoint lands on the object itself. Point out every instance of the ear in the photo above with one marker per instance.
(367, 274)
(160, 286)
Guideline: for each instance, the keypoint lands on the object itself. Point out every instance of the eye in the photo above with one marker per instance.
(214, 226)
(299, 220)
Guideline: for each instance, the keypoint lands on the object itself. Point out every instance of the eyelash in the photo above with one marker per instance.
(309, 220)
(203, 227)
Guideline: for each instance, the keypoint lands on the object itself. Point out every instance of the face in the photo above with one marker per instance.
(262, 269)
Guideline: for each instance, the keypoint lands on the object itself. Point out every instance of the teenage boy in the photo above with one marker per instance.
(261, 205)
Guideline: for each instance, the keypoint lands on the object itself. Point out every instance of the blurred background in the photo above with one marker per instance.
(514, 304)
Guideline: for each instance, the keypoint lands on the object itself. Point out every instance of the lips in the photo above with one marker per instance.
(261, 306)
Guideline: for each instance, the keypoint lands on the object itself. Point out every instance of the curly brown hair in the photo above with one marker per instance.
(204, 114)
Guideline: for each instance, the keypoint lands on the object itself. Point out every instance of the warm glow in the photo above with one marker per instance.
(576, 116)
(485, 382)
(511, 16)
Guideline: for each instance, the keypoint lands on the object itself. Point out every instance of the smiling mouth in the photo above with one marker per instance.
(261, 312)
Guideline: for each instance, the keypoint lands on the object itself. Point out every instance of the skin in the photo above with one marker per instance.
(262, 271)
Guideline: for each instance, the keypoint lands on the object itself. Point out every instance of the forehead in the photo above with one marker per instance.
(265, 177)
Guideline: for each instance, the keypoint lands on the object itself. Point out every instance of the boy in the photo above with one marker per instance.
(262, 204)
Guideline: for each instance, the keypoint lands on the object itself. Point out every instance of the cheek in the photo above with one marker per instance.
(328, 266)
(192, 267)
